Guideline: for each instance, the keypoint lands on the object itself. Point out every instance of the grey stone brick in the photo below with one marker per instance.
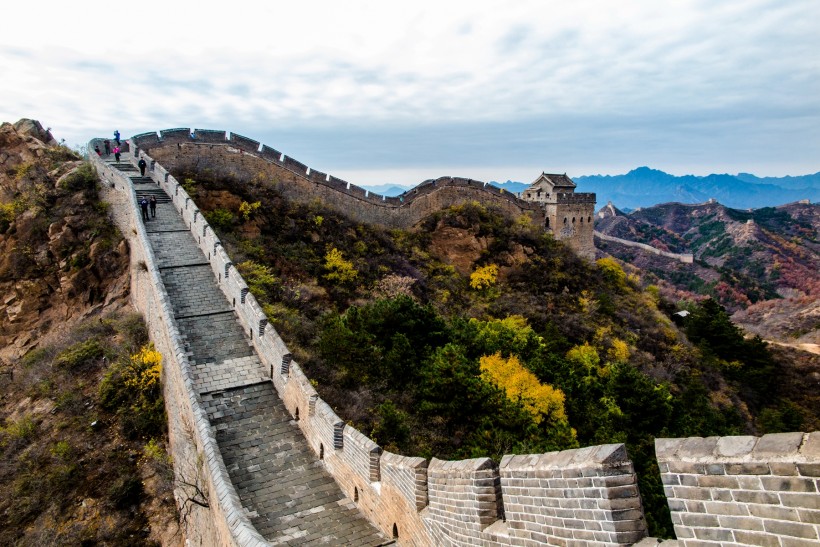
(793, 529)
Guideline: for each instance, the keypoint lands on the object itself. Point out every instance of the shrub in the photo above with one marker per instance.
(338, 268)
(248, 209)
(221, 219)
(132, 389)
(83, 178)
(79, 354)
(484, 277)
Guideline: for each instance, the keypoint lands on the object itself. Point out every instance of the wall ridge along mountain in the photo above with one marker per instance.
(234, 156)
(587, 496)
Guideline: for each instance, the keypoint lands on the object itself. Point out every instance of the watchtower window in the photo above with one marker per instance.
(565, 221)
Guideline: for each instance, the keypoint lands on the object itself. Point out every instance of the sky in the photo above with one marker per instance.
(398, 92)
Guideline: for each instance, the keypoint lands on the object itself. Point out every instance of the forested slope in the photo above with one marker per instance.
(473, 334)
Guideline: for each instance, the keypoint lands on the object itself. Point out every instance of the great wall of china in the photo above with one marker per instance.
(276, 465)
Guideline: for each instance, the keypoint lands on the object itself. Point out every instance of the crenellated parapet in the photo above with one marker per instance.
(743, 490)
(236, 157)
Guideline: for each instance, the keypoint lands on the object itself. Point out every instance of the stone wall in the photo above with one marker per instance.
(686, 258)
(743, 490)
(239, 158)
(193, 448)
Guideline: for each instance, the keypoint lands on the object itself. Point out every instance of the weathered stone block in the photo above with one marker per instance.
(777, 445)
(717, 481)
(788, 484)
(740, 523)
(735, 446)
(751, 538)
(793, 529)
(696, 520)
(714, 534)
(774, 512)
(747, 468)
(809, 469)
(805, 501)
(783, 468)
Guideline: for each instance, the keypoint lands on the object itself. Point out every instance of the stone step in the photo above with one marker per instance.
(288, 494)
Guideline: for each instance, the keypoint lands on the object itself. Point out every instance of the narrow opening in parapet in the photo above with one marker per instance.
(296, 414)
(547, 223)
(395, 531)
(573, 220)
(589, 219)
(356, 493)
(234, 302)
(321, 451)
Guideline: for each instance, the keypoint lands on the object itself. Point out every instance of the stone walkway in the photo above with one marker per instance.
(282, 484)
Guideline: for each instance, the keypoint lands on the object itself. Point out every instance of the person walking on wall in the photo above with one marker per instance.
(117, 136)
(142, 165)
(144, 209)
(107, 144)
(153, 203)
(117, 153)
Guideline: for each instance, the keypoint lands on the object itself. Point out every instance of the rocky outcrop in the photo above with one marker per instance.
(60, 259)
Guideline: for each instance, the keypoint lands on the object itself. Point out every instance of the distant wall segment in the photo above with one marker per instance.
(236, 157)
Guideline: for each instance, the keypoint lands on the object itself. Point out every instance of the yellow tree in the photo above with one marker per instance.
(521, 385)
(484, 277)
(338, 268)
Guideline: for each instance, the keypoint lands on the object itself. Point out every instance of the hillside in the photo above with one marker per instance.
(81, 461)
(475, 334)
(761, 264)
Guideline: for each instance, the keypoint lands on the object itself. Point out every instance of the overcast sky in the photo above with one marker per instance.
(399, 92)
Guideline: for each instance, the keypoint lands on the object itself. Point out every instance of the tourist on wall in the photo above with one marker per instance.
(144, 209)
(117, 153)
(107, 145)
(117, 136)
(153, 203)
(142, 165)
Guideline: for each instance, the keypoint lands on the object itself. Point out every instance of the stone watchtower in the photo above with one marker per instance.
(567, 215)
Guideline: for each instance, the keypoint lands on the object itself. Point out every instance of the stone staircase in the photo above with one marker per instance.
(287, 493)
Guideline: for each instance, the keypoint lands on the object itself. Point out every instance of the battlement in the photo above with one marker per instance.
(575, 198)
(216, 150)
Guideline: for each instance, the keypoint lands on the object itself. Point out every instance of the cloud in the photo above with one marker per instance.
(483, 82)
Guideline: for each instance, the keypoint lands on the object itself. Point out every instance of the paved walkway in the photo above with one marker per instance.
(289, 496)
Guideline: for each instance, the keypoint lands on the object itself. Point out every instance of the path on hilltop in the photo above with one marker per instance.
(289, 496)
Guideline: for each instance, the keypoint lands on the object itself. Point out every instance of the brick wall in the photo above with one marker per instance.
(743, 490)
(586, 496)
(194, 450)
(240, 158)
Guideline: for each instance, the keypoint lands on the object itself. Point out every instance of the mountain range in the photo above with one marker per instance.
(644, 187)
